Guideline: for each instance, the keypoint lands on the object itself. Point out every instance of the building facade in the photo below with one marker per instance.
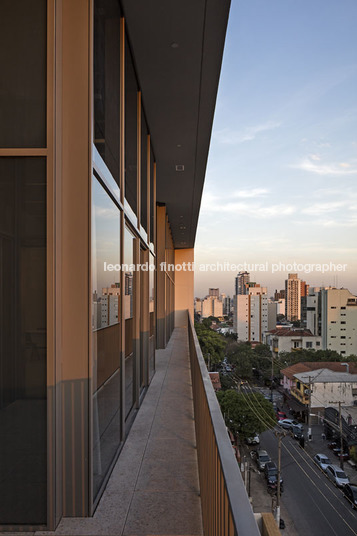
(291, 339)
(332, 313)
(339, 321)
(241, 283)
(293, 298)
(103, 148)
(250, 314)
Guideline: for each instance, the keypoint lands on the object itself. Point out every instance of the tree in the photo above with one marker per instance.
(241, 356)
(212, 345)
(246, 414)
(226, 381)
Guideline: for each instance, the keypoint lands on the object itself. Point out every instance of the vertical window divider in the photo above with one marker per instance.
(122, 230)
(148, 189)
(138, 167)
(51, 260)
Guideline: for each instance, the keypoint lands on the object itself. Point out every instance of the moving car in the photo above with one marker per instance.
(350, 493)
(262, 458)
(337, 476)
(322, 461)
(288, 424)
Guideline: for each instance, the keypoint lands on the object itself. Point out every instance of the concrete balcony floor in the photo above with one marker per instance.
(154, 486)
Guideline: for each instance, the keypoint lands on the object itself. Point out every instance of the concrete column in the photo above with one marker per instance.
(184, 286)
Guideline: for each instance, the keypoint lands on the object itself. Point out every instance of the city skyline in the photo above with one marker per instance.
(280, 182)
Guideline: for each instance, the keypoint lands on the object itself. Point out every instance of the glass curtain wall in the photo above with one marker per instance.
(106, 332)
(23, 309)
(107, 16)
(111, 288)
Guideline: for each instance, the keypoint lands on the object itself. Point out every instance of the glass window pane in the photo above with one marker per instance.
(106, 331)
(129, 317)
(131, 96)
(107, 15)
(23, 73)
(144, 159)
(152, 207)
(23, 419)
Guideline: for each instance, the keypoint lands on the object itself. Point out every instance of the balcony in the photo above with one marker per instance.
(299, 396)
(176, 474)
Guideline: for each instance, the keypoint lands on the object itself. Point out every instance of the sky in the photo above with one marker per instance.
(281, 180)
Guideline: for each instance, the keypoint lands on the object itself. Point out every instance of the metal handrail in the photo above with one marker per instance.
(226, 509)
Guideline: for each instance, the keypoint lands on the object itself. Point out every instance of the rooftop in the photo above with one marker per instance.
(324, 375)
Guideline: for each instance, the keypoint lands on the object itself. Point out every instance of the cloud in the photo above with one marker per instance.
(325, 169)
(254, 192)
(323, 208)
(212, 203)
(227, 136)
(315, 157)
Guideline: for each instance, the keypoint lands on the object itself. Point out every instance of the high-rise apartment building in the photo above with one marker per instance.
(339, 321)
(250, 314)
(332, 314)
(241, 282)
(293, 298)
(213, 292)
(106, 116)
(279, 295)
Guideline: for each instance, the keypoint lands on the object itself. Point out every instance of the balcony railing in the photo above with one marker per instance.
(226, 510)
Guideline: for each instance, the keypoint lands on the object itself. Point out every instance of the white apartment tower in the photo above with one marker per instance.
(293, 297)
(250, 316)
(339, 320)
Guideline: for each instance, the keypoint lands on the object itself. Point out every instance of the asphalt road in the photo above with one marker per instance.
(315, 505)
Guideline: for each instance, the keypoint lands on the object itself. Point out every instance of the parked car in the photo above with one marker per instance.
(332, 445)
(337, 452)
(288, 424)
(262, 458)
(337, 476)
(254, 440)
(322, 460)
(350, 493)
(271, 474)
(280, 415)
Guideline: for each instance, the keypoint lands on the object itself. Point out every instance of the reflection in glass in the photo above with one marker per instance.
(131, 96)
(106, 332)
(23, 73)
(129, 318)
(107, 15)
(144, 159)
(151, 315)
(23, 346)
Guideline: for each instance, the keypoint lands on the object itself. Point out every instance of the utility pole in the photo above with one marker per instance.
(280, 436)
(308, 413)
(341, 438)
(272, 376)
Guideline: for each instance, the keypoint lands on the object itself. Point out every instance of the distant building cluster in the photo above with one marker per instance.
(296, 317)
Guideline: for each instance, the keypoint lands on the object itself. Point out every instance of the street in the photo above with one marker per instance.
(315, 505)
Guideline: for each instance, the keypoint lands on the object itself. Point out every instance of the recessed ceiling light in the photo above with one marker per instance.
(179, 145)
(174, 45)
(180, 167)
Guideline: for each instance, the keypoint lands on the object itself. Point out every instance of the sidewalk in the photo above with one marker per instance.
(262, 501)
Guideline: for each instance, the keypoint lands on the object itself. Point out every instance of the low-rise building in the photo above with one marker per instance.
(290, 339)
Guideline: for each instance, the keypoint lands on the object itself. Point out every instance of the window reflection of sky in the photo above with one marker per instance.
(105, 238)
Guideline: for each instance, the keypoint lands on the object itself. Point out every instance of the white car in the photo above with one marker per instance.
(322, 461)
(337, 476)
(254, 440)
(288, 424)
